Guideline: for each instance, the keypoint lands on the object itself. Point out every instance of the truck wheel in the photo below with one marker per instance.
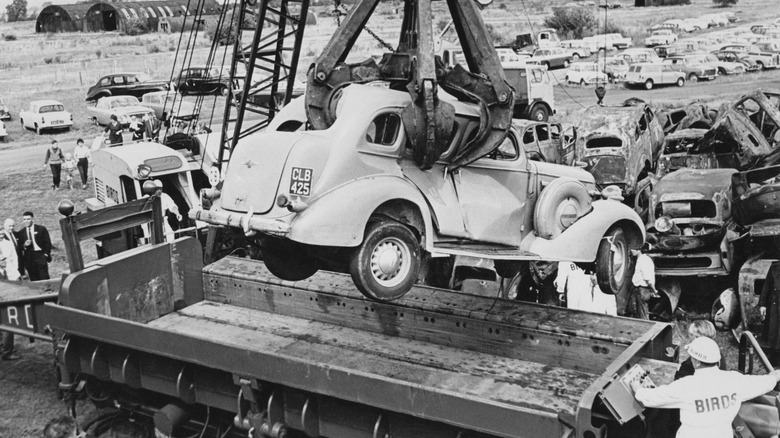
(223, 90)
(680, 82)
(288, 260)
(613, 261)
(693, 77)
(561, 203)
(385, 266)
(539, 113)
(649, 84)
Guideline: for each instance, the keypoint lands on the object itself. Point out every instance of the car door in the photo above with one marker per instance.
(134, 86)
(493, 194)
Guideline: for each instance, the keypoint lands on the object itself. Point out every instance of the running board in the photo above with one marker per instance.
(483, 251)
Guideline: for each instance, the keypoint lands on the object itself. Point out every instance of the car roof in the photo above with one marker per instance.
(123, 74)
(46, 102)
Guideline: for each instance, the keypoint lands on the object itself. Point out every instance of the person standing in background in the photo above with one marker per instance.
(68, 167)
(37, 248)
(643, 283)
(13, 236)
(54, 159)
(83, 157)
(114, 130)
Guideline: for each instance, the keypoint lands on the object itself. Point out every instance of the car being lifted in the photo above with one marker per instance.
(351, 198)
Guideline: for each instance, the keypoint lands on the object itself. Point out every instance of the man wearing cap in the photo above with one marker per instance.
(709, 400)
(643, 285)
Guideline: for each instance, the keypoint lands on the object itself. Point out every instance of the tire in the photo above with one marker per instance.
(566, 63)
(680, 82)
(560, 204)
(539, 113)
(693, 77)
(760, 65)
(223, 91)
(546, 64)
(386, 265)
(288, 260)
(613, 267)
(575, 56)
(649, 84)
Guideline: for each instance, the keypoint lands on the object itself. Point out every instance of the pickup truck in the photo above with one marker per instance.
(350, 198)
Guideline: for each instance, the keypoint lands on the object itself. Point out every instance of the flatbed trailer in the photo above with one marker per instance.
(315, 358)
(19, 305)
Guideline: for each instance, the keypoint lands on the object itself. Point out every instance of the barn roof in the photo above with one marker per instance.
(76, 12)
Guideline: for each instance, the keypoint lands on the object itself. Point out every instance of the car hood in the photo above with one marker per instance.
(127, 110)
(698, 183)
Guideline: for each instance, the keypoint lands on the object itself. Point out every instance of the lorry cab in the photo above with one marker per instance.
(121, 171)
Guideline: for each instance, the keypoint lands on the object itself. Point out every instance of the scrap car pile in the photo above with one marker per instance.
(704, 181)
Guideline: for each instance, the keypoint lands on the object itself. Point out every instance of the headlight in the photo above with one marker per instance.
(664, 224)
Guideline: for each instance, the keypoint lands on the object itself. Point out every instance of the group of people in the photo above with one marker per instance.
(66, 163)
(148, 128)
(26, 251)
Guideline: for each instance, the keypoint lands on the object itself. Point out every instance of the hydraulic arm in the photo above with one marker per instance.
(427, 121)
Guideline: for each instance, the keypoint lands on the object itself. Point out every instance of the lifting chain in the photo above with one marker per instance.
(339, 10)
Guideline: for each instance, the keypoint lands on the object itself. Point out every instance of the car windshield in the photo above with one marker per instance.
(51, 108)
(123, 101)
(143, 77)
(604, 142)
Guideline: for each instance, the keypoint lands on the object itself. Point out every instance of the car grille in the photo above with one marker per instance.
(682, 262)
(689, 209)
(100, 190)
(710, 72)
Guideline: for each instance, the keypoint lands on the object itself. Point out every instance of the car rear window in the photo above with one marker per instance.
(51, 108)
(604, 142)
(384, 129)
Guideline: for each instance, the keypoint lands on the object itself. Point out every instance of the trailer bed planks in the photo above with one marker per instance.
(489, 366)
(19, 302)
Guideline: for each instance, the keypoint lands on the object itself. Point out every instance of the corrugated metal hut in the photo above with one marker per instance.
(109, 16)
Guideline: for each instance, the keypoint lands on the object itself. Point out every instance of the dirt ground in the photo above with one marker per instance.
(28, 386)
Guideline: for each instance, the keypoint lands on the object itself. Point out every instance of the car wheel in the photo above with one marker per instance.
(223, 91)
(583, 83)
(649, 84)
(287, 260)
(560, 204)
(38, 129)
(539, 113)
(693, 77)
(680, 82)
(613, 261)
(546, 64)
(566, 63)
(575, 56)
(386, 265)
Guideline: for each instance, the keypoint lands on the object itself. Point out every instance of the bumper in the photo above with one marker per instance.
(246, 221)
(67, 124)
(5, 116)
(689, 265)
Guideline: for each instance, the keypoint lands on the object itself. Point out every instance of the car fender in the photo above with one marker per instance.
(580, 242)
(339, 217)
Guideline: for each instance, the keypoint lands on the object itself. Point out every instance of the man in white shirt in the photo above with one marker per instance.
(708, 400)
(643, 283)
(582, 290)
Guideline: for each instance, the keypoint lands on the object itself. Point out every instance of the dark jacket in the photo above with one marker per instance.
(41, 236)
(770, 298)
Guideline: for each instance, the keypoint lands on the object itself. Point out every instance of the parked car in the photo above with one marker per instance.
(611, 41)
(619, 145)
(765, 60)
(45, 114)
(551, 58)
(123, 107)
(768, 46)
(507, 55)
(695, 68)
(639, 55)
(3, 132)
(616, 68)
(304, 181)
(202, 81)
(125, 84)
(165, 103)
(577, 48)
(724, 66)
(650, 75)
(732, 56)
(585, 73)
(5, 113)
(660, 36)
(546, 141)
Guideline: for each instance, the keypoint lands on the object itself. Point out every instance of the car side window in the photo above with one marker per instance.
(132, 79)
(642, 125)
(118, 80)
(105, 82)
(528, 136)
(507, 151)
(536, 76)
(542, 133)
(384, 129)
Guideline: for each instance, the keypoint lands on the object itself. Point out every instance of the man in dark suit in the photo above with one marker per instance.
(37, 248)
(13, 237)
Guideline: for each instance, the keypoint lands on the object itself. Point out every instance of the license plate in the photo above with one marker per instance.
(300, 181)
(56, 122)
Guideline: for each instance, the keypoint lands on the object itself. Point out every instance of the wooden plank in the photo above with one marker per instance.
(433, 368)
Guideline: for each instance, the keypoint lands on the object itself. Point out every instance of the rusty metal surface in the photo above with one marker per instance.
(757, 195)
(697, 116)
(750, 282)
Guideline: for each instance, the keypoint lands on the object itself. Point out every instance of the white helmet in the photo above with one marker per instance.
(704, 350)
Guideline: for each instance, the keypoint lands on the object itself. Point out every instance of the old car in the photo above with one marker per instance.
(585, 73)
(619, 145)
(611, 41)
(352, 198)
(660, 36)
(650, 75)
(615, 67)
(755, 194)
(551, 57)
(732, 56)
(691, 226)
(546, 141)
(765, 60)
(123, 107)
(202, 81)
(578, 48)
(166, 103)
(5, 113)
(694, 115)
(769, 46)
(725, 66)
(639, 55)
(678, 152)
(45, 114)
(694, 67)
(125, 84)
